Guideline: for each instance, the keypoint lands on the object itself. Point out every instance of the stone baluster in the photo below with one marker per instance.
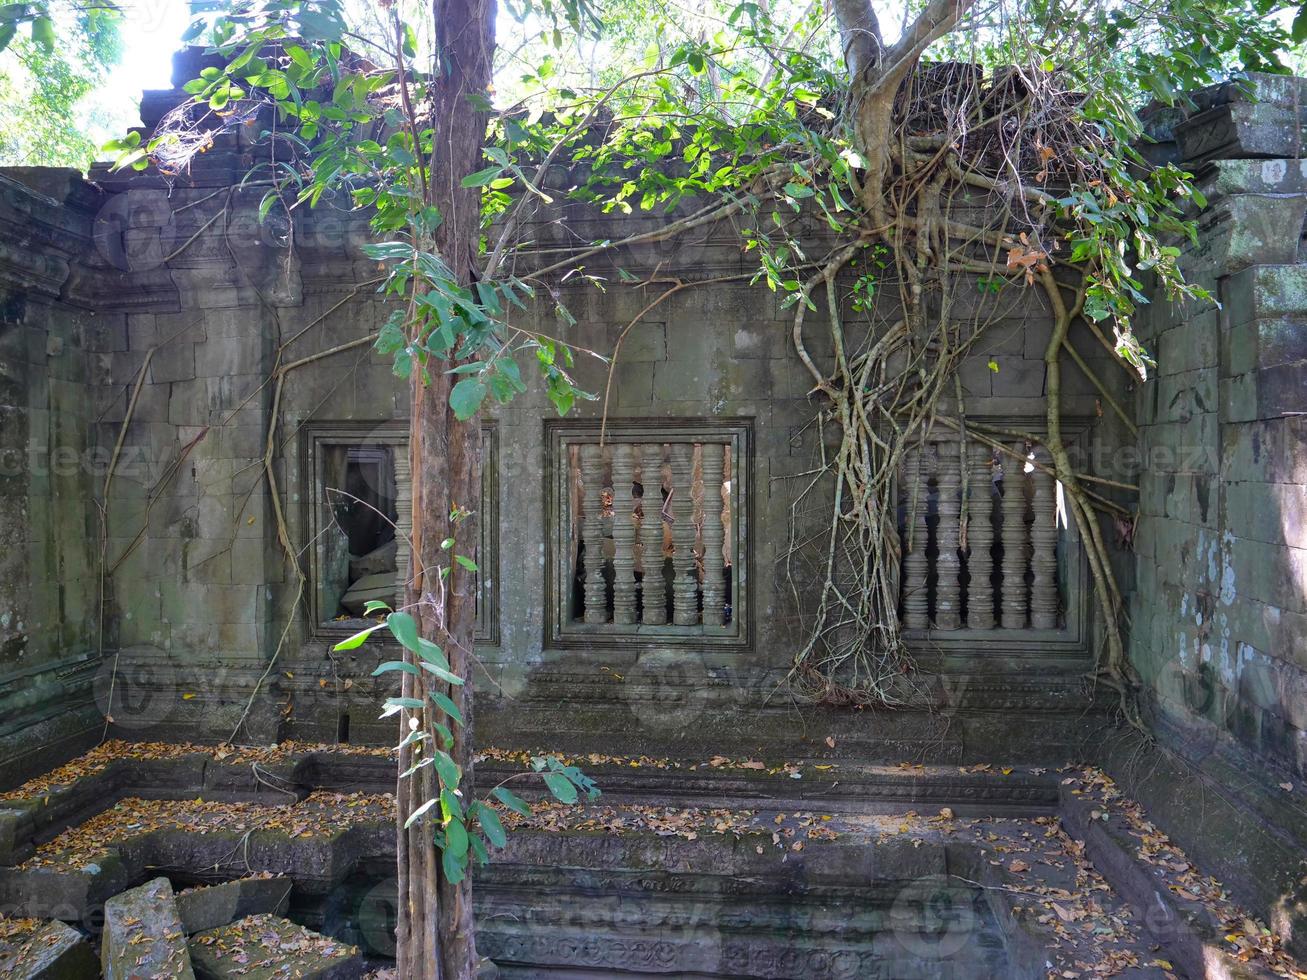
(980, 539)
(623, 534)
(1014, 594)
(653, 589)
(714, 580)
(403, 521)
(915, 496)
(592, 532)
(685, 583)
(948, 587)
(1043, 546)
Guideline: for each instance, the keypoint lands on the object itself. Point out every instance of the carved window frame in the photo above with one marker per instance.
(563, 632)
(394, 435)
(1073, 637)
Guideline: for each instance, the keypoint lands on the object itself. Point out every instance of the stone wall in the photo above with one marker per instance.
(1220, 616)
(213, 363)
(51, 355)
(1220, 631)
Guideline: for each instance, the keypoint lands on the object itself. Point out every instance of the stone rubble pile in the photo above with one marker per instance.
(234, 929)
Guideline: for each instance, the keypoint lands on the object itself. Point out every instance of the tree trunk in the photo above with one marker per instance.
(435, 937)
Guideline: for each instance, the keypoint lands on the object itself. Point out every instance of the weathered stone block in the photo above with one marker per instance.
(219, 357)
(1265, 292)
(1280, 341)
(1269, 512)
(15, 844)
(1272, 573)
(977, 376)
(743, 379)
(1241, 130)
(1241, 230)
(52, 952)
(768, 339)
(1273, 450)
(202, 909)
(264, 947)
(632, 392)
(1269, 393)
(143, 935)
(1191, 345)
(174, 361)
(1020, 378)
(1181, 396)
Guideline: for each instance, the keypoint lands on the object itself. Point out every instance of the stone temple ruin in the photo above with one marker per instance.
(193, 784)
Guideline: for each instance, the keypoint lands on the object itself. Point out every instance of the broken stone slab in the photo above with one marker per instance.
(143, 935)
(380, 586)
(265, 947)
(53, 951)
(376, 561)
(212, 907)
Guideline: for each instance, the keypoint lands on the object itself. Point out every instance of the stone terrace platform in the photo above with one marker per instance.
(702, 868)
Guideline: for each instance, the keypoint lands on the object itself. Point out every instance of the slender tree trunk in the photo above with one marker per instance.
(435, 935)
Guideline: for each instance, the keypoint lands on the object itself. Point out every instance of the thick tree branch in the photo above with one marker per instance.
(860, 37)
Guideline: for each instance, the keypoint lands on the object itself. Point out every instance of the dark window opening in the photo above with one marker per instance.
(359, 485)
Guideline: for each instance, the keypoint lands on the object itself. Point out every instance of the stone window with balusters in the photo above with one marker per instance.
(650, 526)
(983, 546)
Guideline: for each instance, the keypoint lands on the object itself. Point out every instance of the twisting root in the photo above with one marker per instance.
(886, 385)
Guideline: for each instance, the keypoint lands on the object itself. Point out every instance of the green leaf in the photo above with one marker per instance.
(443, 674)
(490, 823)
(374, 605)
(447, 706)
(482, 177)
(466, 562)
(456, 838)
(447, 769)
(561, 787)
(447, 737)
(453, 867)
(479, 851)
(467, 397)
(417, 814)
(511, 800)
(393, 665)
(356, 640)
(432, 653)
(404, 629)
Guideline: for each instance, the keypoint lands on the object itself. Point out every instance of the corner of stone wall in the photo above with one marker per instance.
(1219, 620)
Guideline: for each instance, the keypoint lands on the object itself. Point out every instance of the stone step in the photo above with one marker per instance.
(1185, 930)
(265, 947)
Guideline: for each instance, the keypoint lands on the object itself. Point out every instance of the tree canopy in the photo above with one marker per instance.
(51, 58)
